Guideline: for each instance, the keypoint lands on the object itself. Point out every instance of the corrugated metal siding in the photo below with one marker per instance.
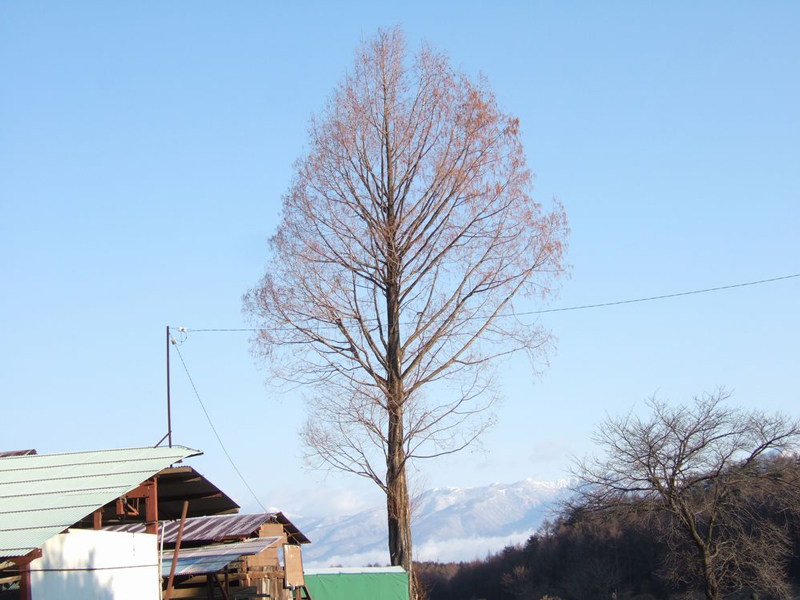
(41, 495)
(210, 559)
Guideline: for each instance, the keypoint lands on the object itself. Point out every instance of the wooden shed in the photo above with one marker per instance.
(257, 571)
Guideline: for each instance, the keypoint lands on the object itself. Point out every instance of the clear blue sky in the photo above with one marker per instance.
(144, 147)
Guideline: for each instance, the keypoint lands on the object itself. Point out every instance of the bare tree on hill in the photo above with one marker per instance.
(707, 476)
(406, 237)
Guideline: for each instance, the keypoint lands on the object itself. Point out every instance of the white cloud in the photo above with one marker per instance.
(464, 549)
(360, 559)
(320, 500)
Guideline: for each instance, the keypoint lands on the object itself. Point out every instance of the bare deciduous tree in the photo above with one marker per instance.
(407, 234)
(707, 476)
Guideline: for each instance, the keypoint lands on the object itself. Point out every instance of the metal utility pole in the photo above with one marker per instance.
(169, 405)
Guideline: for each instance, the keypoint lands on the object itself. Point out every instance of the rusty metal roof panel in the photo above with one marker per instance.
(213, 558)
(294, 533)
(206, 529)
(43, 494)
(219, 528)
(7, 453)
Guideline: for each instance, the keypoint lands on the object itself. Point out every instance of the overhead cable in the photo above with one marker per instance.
(542, 311)
(214, 429)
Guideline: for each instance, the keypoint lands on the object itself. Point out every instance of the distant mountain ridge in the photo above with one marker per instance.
(448, 524)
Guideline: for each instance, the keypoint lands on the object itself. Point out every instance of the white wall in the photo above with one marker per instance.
(107, 565)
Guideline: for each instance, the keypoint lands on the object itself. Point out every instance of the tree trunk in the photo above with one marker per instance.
(711, 583)
(397, 501)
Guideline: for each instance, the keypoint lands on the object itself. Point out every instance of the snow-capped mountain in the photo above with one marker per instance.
(448, 524)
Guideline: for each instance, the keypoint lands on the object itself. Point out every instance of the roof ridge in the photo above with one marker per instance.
(34, 456)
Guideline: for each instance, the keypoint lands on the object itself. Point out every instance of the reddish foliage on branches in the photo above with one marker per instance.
(407, 234)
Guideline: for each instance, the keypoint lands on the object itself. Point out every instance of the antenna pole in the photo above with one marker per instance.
(169, 405)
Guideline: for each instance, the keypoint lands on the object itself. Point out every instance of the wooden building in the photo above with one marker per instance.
(259, 571)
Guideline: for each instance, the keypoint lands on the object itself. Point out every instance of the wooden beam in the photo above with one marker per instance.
(196, 496)
(221, 589)
(171, 580)
(151, 508)
(24, 565)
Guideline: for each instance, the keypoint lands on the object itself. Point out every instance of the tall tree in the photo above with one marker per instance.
(708, 476)
(406, 236)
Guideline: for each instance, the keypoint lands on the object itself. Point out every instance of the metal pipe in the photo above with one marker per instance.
(160, 558)
(169, 404)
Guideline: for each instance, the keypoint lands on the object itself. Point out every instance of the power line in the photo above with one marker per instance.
(214, 429)
(664, 296)
(548, 310)
(81, 569)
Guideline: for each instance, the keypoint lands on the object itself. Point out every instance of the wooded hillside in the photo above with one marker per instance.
(585, 556)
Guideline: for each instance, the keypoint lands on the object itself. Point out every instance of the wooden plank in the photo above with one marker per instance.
(168, 593)
(293, 564)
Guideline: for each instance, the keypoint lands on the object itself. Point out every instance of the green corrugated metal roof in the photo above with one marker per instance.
(41, 495)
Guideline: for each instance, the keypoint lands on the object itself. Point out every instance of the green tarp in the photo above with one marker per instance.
(367, 584)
